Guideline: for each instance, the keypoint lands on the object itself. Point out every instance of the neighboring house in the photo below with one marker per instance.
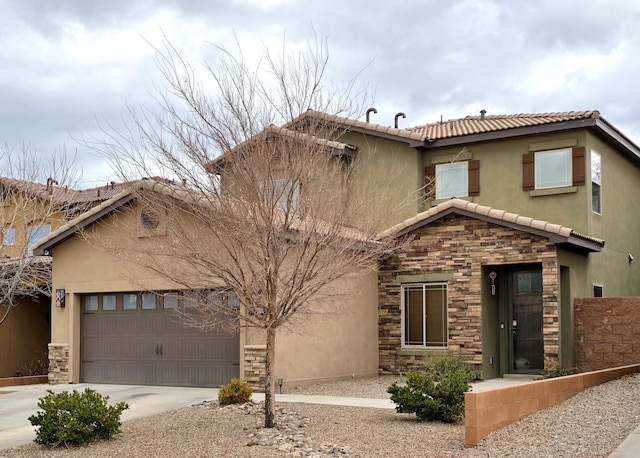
(511, 218)
(30, 211)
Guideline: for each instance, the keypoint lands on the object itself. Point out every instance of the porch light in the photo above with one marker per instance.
(280, 384)
(493, 275)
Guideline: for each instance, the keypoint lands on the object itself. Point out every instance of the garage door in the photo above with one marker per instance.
(133, 338)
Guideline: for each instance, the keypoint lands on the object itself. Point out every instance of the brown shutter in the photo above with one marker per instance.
(528, 172)
(430, 182)
(474, 178)
(578, 166)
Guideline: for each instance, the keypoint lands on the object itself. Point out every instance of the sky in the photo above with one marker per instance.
(69, 66)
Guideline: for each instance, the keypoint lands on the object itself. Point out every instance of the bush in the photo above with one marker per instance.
(431, 401)
(439, 365)
(238, 391)
(557, 371)
(74, 418)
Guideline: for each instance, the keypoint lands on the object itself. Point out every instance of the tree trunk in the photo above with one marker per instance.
(270, 380)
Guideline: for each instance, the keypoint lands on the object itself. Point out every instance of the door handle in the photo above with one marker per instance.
(160, 349)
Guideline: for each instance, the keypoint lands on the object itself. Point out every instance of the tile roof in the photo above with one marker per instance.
(65, 196)
(555, 231)
(492, 123)
(354, 123)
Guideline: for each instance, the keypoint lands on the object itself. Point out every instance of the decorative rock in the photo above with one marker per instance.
(286, 436)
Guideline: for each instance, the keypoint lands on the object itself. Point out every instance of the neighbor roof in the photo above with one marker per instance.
(554, 232)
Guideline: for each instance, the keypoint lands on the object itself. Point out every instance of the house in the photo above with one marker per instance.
(509, 219)
(30, 211)
(118, 323)
(493, 273)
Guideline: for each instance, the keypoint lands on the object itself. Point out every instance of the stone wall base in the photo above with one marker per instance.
(58, 363)
(255, 357)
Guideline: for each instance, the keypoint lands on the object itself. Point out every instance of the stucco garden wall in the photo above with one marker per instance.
(607, 332)
(456, 247)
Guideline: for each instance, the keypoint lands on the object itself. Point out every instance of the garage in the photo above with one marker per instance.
(134, 338)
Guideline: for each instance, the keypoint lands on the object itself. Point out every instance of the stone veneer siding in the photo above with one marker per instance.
(461, 245)
(58, 363)
(255, 357)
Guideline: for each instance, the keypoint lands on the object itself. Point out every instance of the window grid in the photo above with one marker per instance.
(424, 315)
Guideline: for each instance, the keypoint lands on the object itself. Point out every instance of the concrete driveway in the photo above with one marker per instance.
(17, 403)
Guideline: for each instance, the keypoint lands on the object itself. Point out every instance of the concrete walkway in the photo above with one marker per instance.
(19, 402)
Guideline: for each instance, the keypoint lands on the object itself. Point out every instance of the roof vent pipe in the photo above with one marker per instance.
(395, 118)
(371, 110)
(482, 113)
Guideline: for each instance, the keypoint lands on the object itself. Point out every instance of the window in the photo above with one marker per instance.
(424, 315)
(90, 303)
(36, 233)
(453, 179)
(598, 291)
(596, 182)
(9, 238)
(553, 169)
(170, 300)
(148, 301)
(109, 302)
(284, 193)
(129, 301)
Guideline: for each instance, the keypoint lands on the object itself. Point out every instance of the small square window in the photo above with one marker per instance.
(452, 180)
(129, 301)
(553, 169)
(170, 300)
(109, 302)
(91, 303)
(148, 301)
(598, 291)
(190, 299)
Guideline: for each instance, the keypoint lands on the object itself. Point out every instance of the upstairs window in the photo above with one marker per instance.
(36, 233)
(596, 182)
(284, 193)
(453, 179)
(553, 169)
(424, 315)
(9, 238)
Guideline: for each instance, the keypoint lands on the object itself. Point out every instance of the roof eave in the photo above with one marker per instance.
(571, 242)
(514, 132)
(45, 248)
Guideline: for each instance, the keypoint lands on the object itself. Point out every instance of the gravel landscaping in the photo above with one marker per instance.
(592, 423)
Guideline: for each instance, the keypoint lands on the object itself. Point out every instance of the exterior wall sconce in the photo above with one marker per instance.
(631, 258)
(60, 294)
(280, 381)
(493, 275)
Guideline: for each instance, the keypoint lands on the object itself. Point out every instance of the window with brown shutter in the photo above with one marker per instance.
(528, 172)
(474, 178)
(578, 166)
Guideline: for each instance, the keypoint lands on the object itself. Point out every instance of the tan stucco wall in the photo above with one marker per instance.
(339, 342)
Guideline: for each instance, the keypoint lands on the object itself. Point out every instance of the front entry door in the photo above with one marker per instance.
(526, 346)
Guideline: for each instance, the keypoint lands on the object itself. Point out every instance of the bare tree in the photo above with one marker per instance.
(268, 215)
(32, 199)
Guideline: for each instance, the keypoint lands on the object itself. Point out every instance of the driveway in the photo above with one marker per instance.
(17, 403)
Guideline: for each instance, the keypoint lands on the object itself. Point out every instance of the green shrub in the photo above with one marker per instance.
(439, 365)
(74, 418)
(238, 391)
(431, 401)
(557, 371)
